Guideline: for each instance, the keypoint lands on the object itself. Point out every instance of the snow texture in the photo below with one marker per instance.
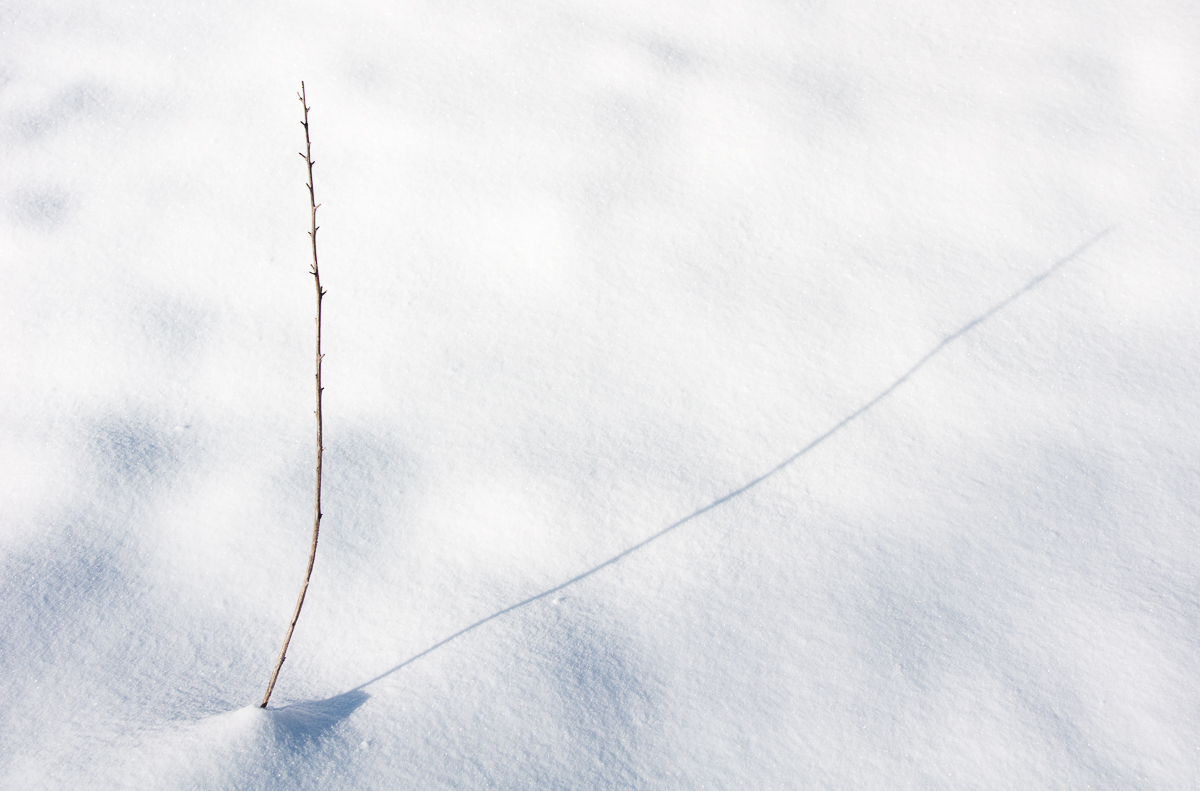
(718, 395)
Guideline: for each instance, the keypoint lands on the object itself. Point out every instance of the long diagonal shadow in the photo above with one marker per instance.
(972, 324)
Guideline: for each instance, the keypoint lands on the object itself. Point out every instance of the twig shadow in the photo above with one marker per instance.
(311, 719)
(936, 350)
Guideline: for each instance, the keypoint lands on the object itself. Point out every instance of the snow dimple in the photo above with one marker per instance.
(44, 207)
(52, 591)
(132, 454)
(84, 100)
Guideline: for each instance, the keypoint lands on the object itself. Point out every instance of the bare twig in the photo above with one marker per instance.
(316, 273)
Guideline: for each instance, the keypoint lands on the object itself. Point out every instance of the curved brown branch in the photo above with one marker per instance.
(316, 273)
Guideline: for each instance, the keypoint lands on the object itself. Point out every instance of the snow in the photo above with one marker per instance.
(718, 395)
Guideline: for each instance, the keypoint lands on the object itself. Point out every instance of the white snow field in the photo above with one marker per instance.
(718, 395)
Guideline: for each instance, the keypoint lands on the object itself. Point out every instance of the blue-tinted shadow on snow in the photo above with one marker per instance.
(307, 721)
(935, 351)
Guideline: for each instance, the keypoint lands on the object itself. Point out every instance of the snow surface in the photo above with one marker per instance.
(719, 395)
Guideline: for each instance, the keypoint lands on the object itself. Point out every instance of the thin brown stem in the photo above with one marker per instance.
(316, 273)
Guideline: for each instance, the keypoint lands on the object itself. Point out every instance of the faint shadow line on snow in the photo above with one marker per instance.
(936, 350)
